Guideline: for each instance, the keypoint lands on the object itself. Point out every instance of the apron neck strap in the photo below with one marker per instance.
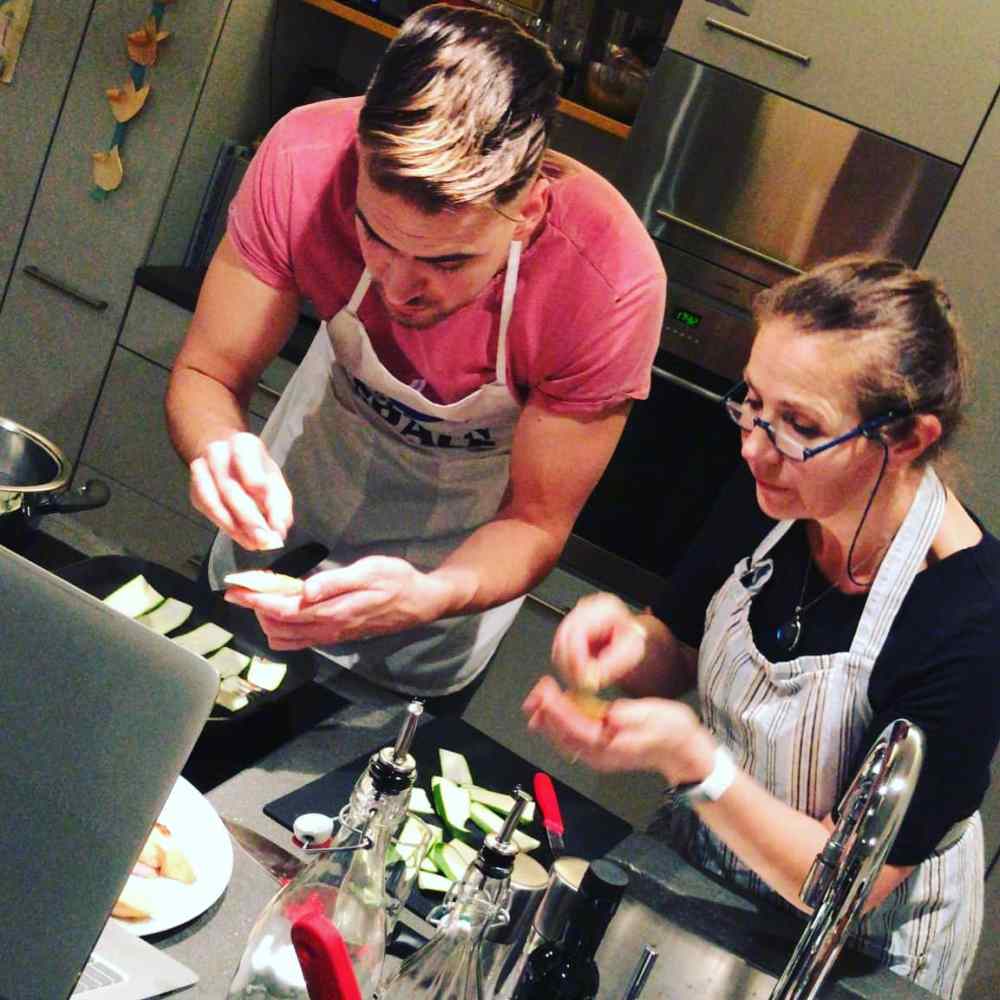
(506, 308)
(360, 290)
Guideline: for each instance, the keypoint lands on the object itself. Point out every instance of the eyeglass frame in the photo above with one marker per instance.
(864, 429)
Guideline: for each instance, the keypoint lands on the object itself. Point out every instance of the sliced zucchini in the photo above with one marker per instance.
(419, 802)
(452, 803)
(454, 767)
(169, 615)
(137, 597)
(267, 674)
(490, 822)
(449, 861)
(465, 852)
(410, 838)
(499, 802)
(229, 662)
(204, 639)
(230, 696)
(429, 882)
(427, 865)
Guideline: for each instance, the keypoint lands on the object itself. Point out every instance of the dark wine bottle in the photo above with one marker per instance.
(566, 969)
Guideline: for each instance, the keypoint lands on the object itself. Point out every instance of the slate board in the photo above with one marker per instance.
(591, 831)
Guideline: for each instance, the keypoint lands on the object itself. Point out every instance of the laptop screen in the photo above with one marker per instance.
(97, 717)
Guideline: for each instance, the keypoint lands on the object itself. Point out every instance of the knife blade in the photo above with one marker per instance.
(545, 795)
(278, 862)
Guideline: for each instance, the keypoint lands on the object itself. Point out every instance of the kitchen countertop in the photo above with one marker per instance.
(660, 879)
(717, 924)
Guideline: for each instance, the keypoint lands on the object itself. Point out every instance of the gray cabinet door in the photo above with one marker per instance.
(57, 346)
(29, 109)
(923, 73)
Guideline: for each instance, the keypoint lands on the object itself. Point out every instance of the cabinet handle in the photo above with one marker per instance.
(268, 391)
(685, 384)
(764, 43)
(74, 293)
(719, 238)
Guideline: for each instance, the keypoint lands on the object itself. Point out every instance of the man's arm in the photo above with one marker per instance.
(239, 326)
(556, 461)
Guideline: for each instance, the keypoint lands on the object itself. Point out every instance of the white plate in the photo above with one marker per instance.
(205, 842)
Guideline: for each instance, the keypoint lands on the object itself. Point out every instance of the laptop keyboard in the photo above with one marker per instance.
(96, 975)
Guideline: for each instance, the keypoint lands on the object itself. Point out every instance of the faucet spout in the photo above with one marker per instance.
(842, 876)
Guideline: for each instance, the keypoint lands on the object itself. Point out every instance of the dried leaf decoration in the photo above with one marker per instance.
(108, 169)
(126, 102)
(142, 44)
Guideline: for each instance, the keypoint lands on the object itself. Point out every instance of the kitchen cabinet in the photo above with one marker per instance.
(29, 110)
(149, 512)
(924, 74)
(58, 342)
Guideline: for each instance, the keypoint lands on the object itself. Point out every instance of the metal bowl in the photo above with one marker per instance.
(30, 463)
(616, 88)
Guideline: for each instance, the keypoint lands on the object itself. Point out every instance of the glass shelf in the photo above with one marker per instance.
(579, 111)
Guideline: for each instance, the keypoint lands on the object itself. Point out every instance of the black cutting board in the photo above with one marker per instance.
(591, 831)
(102, 575)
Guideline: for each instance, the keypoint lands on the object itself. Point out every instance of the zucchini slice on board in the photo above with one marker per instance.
(449, 861)
(230, 696)
(169, 615)
(134, 598)
(500, 803)
(490, 822)
(419, 802)
(266, 674)
(430, 882)
(204, 639)
(452, 802)
(228, 662)
(454, 767)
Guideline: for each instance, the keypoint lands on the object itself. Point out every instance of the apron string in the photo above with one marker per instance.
(506, 308)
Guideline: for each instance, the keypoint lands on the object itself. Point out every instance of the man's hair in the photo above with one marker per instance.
(459, 109)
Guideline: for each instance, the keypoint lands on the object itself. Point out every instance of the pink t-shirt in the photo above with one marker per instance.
(590, 293)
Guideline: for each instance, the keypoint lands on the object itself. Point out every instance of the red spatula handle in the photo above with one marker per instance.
(326, 965)
(545, 796)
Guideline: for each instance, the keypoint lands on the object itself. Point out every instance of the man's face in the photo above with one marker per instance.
(426, 266)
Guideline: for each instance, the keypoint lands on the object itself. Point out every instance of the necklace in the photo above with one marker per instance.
(788, 635)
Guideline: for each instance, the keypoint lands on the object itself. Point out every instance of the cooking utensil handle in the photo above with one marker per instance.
(92, 494)
(326, 965)
(545, 795)
(764, 43)
(74, 293)
(732, 244)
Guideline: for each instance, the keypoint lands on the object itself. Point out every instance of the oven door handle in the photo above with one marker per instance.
(764, 43)
(685, 384)
(732, 244)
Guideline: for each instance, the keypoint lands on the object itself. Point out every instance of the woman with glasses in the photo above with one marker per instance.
(847, 588)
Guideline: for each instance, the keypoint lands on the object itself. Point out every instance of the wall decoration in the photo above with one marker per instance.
(129, 98)
(14, 16)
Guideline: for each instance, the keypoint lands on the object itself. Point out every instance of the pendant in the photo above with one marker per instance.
(787, 636)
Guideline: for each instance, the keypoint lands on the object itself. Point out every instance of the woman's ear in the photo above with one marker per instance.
(925, 430)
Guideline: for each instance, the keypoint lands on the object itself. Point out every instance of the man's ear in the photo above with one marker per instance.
(925, 430)
(532, 208)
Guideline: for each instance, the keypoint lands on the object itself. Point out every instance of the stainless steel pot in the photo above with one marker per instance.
(33, 478)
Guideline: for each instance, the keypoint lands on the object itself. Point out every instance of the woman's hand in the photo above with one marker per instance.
(642, 734)
(238, 486)
(599, 642)
(377, 595)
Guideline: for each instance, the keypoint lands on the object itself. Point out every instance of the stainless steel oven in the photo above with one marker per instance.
(740, 187)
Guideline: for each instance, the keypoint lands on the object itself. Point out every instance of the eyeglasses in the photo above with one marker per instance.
(788, 443)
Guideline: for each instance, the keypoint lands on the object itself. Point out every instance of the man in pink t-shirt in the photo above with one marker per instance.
(490, 310)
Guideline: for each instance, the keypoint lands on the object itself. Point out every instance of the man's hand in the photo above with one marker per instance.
(238, 486)
(374, 596)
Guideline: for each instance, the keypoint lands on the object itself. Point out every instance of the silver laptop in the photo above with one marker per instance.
(97, 718)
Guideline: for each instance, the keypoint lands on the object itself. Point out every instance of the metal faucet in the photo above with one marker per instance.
(844, 872)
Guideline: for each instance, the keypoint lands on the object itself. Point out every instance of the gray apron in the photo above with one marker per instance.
(375, 468)
(796, 727)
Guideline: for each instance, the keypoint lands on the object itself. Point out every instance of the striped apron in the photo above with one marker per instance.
(376, 468)
(796, 728)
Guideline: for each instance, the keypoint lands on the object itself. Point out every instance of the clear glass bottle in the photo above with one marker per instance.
(566, 969)
(448, 966)
(346, 882)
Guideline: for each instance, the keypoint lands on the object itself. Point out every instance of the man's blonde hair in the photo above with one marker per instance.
(459, 109)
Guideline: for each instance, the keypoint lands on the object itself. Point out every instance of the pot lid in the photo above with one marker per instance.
(29, 463)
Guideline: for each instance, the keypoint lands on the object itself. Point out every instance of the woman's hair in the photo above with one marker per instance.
(459, 109)
(911, 357)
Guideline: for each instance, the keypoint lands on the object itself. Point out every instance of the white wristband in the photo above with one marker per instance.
(714, 786)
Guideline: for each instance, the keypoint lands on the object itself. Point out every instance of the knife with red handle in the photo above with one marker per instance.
(545, 796)
(326, 965)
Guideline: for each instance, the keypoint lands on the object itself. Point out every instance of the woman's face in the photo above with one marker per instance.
(804, 384)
